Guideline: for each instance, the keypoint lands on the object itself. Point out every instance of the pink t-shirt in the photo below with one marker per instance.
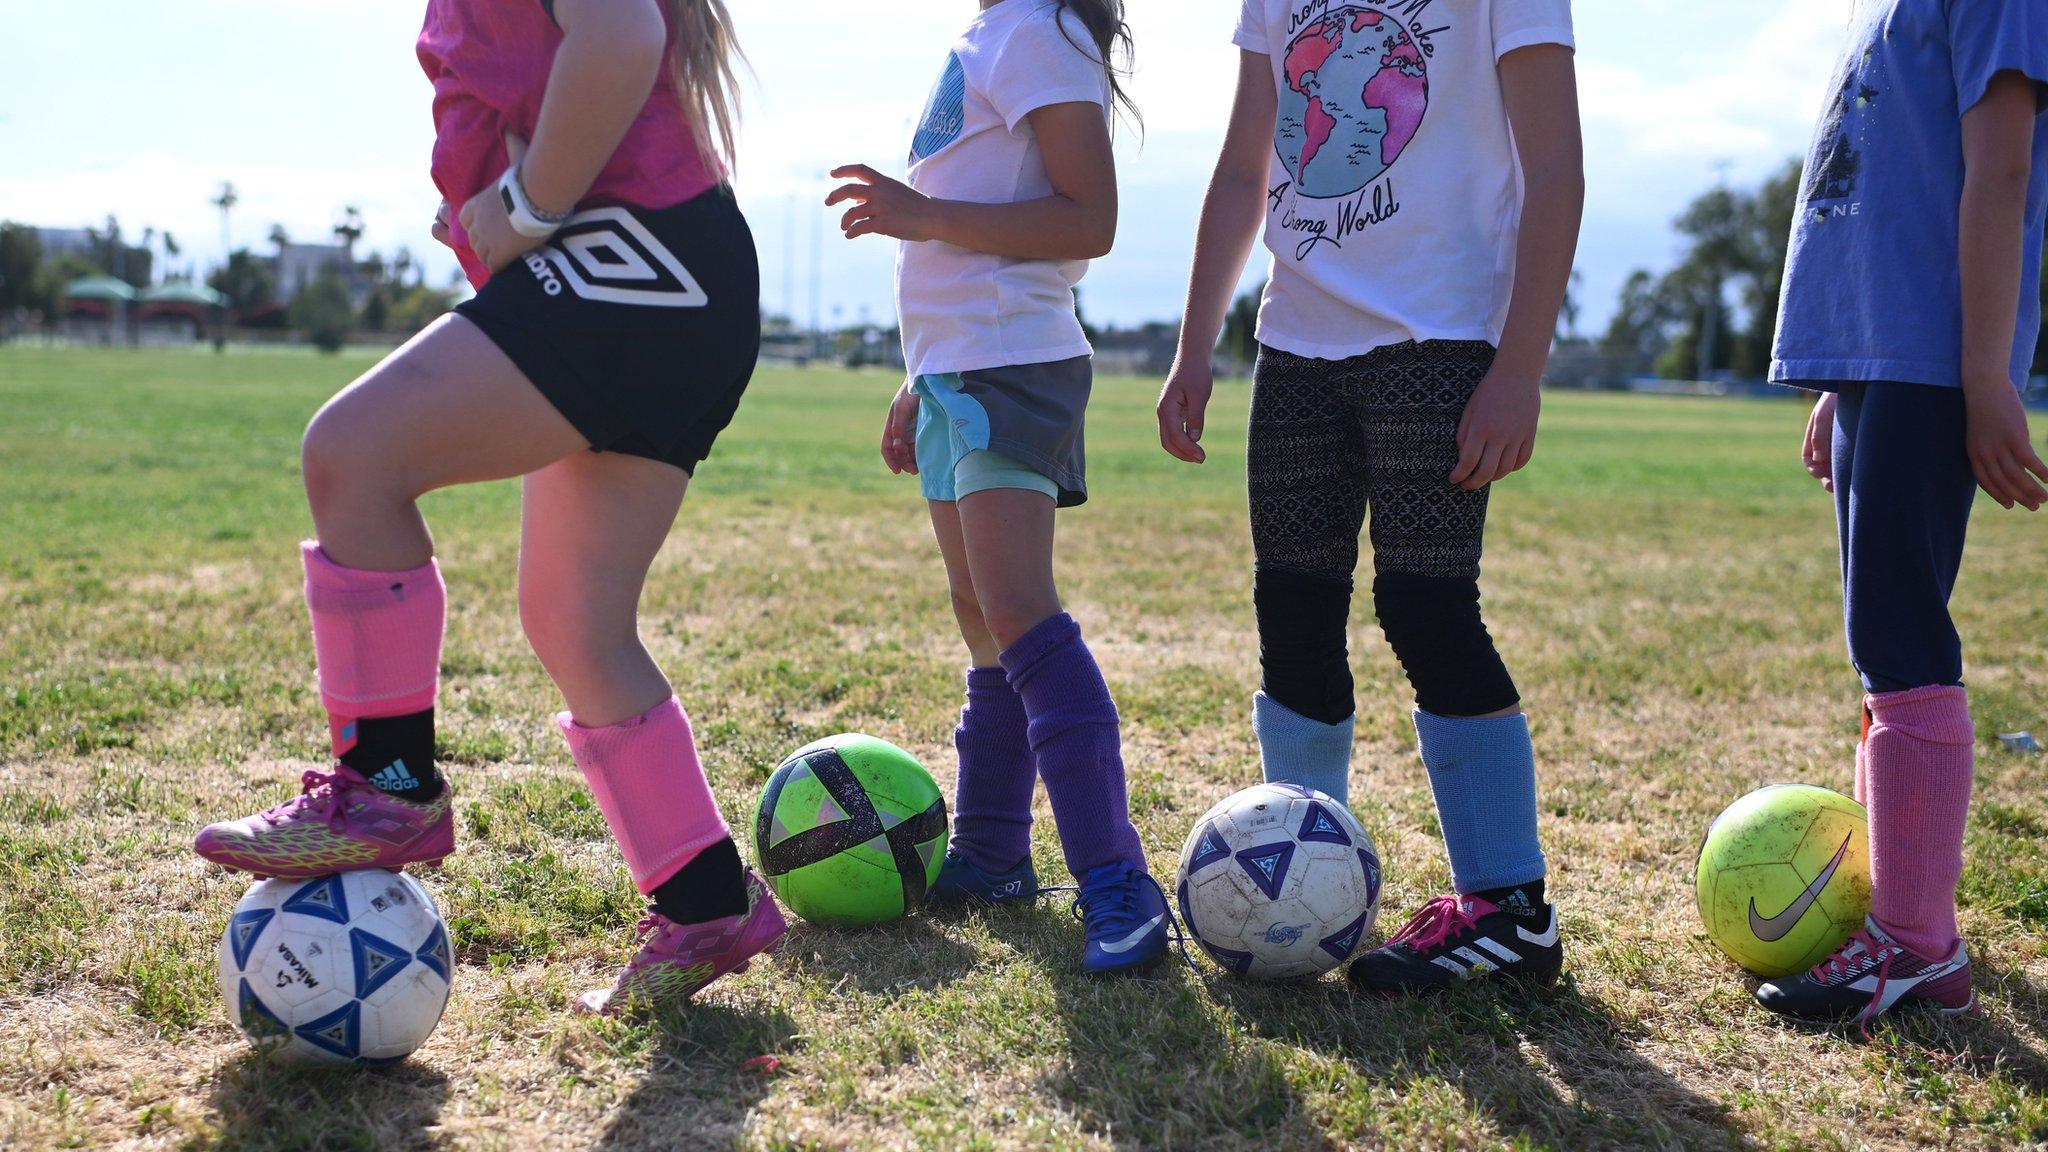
(489, 61)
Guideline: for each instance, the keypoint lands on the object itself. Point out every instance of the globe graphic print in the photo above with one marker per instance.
(1357, 87)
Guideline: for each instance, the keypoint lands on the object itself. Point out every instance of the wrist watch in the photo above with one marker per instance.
(527, 219)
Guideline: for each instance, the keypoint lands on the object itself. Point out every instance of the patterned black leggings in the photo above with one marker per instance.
(1330, 440)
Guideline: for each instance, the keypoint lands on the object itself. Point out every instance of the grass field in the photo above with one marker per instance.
(1662, 581)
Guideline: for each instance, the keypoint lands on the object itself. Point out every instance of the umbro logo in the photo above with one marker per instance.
(608, 256)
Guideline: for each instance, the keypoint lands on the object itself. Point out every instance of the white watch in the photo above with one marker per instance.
(527, 220)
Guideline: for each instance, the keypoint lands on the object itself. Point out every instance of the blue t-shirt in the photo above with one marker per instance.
(1873, 285)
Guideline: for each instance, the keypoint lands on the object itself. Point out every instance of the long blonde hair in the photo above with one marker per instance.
(702, 68)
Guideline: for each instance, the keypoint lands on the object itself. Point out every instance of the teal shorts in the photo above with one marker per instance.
(953, 454)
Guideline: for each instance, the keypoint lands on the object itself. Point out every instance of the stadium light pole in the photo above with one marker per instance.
(817, 270)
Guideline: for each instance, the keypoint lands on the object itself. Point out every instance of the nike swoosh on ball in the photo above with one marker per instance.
(1775, 927)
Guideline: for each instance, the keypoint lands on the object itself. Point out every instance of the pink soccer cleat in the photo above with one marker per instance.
(339, 823)
(676, 961)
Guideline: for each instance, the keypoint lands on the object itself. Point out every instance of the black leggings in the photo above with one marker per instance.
(1329, 440)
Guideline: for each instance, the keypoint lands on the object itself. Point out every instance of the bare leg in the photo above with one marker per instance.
(1008, 535)
(982, 647)
(590, 526)
(447, 408)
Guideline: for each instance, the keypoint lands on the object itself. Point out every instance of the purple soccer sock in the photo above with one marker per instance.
(1074, 735)
(992, 806)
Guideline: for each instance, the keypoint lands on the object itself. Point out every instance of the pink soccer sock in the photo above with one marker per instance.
(651, 788)
(377, 636)
(1862, 792)
(1921, 761)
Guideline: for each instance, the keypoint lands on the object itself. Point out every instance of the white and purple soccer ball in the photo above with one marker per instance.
(1279, 881)
(350, 968)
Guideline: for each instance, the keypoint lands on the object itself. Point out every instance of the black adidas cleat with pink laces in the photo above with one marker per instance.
(1458, 938)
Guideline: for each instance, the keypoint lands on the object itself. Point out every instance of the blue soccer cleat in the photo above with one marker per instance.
(1126, 916)
(964, 884)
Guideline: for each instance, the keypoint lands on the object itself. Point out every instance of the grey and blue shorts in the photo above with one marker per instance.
(1012, 427)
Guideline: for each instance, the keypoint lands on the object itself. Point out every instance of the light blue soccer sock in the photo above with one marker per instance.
(1484, 775)
(1294, 749)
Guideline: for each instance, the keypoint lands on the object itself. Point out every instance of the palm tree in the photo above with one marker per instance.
(226, 202)
(350, 229)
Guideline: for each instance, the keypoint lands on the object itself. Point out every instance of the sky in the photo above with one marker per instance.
(142, 108)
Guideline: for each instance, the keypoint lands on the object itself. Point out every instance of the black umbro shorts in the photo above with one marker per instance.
(641, 326)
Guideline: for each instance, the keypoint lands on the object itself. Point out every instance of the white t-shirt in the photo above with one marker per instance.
(963, 310)
(1395, 197)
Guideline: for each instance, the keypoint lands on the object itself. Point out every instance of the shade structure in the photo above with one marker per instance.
(182, 292)
(99, 288)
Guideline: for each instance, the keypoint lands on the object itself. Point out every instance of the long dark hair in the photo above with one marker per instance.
(1106, 26)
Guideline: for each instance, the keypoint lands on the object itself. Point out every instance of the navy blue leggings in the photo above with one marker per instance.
(1903, 490)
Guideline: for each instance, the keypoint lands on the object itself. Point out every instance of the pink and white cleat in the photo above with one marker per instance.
(676, 961)
(339, 823)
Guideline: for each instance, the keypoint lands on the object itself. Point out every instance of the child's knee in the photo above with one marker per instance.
(339, 460)
(1434, 626)
(1009, 621)
(1303, 643)
(566, 632)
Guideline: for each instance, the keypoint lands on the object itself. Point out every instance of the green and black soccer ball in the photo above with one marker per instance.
(851, 830)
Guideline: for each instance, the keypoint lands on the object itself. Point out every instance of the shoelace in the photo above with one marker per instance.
(1862, 953)
(1436, 922)
(319, 797)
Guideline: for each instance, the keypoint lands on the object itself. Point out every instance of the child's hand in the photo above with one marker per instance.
(491, 235)
(2001, 454)
(1183, 404)
(442, 216)
(1819, 450)
(1497, 434)
(899, 433)
(880, 205)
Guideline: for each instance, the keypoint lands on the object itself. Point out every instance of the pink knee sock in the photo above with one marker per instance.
(377, 636)
(1862, 792)
(652, 790)
(1920, 755)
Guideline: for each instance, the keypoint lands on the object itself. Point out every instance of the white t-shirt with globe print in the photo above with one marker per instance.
(962, 310)
(1395, 198)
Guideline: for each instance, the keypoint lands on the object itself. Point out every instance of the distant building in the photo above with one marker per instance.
(1143, 351)
(298, 265)
(65, 242)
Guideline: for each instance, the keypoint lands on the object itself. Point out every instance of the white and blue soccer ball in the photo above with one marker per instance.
(350, 968)
(1279, 881)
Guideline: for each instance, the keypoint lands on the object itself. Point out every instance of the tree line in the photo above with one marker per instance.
(1681, 320)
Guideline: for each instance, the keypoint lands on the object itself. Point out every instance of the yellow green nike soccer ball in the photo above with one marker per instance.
(1784, 877)
(851, 830)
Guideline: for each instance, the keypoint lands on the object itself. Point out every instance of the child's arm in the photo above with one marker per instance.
(610, 56)
(1231, 214)
(1998, 136)
(1076, 222)
(1498, 432)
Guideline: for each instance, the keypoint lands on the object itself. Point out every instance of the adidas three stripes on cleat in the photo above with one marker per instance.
(1458, 938)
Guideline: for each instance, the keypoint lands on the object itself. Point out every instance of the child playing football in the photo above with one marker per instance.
(599, 367)
(1912, 305)
(1011, 190)
(1419, 183)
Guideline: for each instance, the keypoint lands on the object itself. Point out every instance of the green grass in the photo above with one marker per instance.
(1662, 580)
